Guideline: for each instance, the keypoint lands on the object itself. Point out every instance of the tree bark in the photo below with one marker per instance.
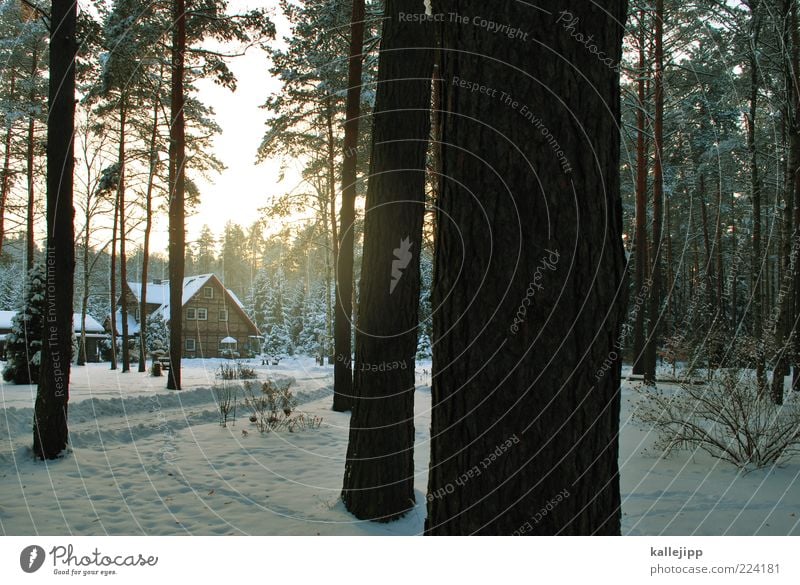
(640, 243)
(113, 284)
(5, 179)
(379, 472)
(342, 372)
(50, 433)
(529, 277)
(123, 236)
(177, 184)
(29, 242)
(148, 225)
(654, 306)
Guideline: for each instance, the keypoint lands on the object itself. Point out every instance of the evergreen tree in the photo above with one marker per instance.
(24, 343)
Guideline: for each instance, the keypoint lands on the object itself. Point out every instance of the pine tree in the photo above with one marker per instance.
(24, 343)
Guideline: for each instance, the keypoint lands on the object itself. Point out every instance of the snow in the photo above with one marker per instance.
(92, 326)
(145, 460)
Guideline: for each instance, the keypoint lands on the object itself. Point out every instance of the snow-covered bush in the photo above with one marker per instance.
(24, 343)
(727, 418)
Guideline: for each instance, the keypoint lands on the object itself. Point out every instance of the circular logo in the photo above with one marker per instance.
(31, 558)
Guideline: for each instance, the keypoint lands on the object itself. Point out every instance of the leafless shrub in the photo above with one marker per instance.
(727, 418)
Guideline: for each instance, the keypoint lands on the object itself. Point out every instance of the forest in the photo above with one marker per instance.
(550, 211)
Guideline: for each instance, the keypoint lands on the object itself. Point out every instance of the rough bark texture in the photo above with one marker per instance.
(529, 270)
(50, 434)
(379, 473)
(177, 179)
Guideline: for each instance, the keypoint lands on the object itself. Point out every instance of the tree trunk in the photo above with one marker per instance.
(379, 473)
(654, 306)
(640, 242)
(342, 372)
(525, 412)
(50, 434)
(113, 285)
(82, 357)
(123, 236)
(755, 194)
(29, 242)
(177, 183)
(148, 225)
(5, 179)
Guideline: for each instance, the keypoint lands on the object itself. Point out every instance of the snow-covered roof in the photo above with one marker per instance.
(133, 326)
(5, 319)
(158, 293)
(92, 326)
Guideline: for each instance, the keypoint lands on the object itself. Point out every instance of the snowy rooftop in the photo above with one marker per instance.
(92, 326)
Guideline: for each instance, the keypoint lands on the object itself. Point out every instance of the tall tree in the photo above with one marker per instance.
(522, 412)
(379, 472)
(50, 434)
(177, 185)
(342, 372)
(654, 305)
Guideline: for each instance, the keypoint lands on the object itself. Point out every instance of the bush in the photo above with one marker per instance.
(236, 371)
(227, 397)
(729, 418)
(272, 404)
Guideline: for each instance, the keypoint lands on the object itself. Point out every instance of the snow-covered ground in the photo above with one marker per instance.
(146, 460)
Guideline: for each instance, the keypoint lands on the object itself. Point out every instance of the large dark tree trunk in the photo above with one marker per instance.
(342, 372)
(529, 276)
(50, 434)
(654, 304)
(177, 213)
(640, 238)
(123, 236)
(379, 473)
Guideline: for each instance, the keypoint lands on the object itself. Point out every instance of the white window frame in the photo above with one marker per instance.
(191, 314)
(202, 311)
(208, 292)
(193, 346)
(223, 314)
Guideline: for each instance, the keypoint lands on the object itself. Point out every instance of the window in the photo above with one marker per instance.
(223, 314)
(190, 345)
(202, 314)
(191, 314)
(208, 292)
